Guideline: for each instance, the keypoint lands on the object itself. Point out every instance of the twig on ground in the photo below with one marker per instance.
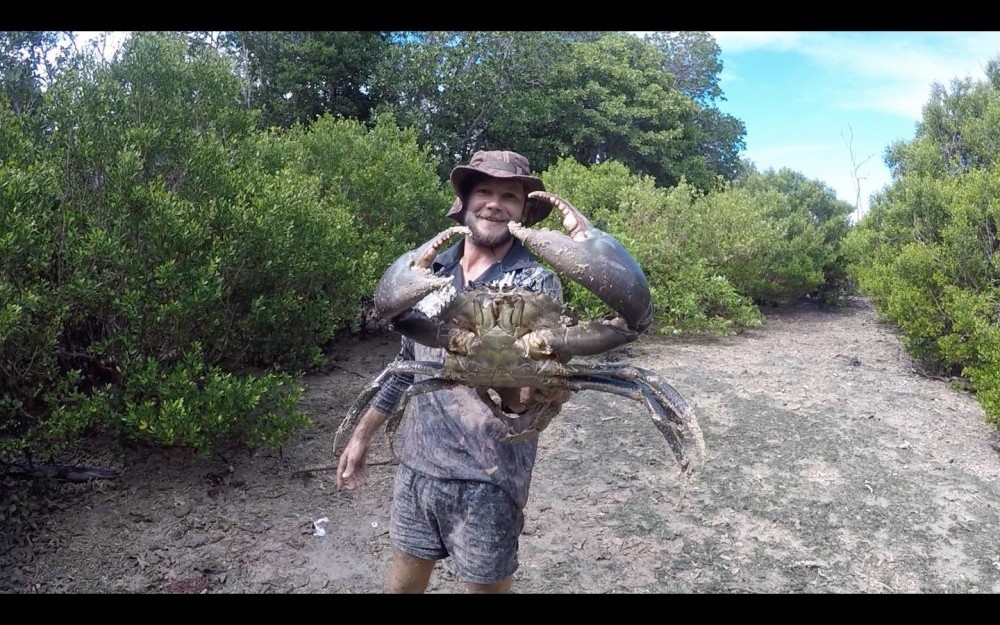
(312, 470)
(343, 368)
(924, 373)
(62, 472)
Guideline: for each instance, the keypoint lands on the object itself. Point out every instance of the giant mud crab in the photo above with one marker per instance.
(495, 337)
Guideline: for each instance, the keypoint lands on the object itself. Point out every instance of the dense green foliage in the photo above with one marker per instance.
(298, 76)
(926, 252)
(655, 225)
(592, 96)
(189, 226)
(793, 247)
(167, 268)
(712, 258)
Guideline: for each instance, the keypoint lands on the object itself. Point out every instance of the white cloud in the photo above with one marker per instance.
(742, 41)
(888, 72)
(106, 42)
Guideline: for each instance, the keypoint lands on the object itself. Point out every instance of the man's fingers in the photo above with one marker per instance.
(559, 395)
(343, 470)
(355, 480)
(347, 480)
(350, 471)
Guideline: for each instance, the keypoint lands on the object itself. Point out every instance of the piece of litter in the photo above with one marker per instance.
(374, 523)
(319, 531)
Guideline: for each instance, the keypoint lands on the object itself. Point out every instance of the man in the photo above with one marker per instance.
(460, 490)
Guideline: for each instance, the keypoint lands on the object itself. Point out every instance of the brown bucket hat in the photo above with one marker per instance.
(499, 164)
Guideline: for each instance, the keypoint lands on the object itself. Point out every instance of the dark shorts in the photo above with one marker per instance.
(476, 524)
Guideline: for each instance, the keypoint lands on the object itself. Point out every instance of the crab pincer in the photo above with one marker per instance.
(409, 279)
(593, 258)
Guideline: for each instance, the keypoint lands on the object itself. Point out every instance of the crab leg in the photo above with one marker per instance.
(664, 415)
(361, 403)
(424, 386)
(656, 393)
(593, 258)
(409, 279)
(665, 393)
(397, 367)
(668, 396)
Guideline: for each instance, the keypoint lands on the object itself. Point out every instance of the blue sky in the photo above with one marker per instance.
(804, 95)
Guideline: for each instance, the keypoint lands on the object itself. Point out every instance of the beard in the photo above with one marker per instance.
(489, 236)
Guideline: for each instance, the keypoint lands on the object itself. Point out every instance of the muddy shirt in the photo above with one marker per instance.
(451, 433)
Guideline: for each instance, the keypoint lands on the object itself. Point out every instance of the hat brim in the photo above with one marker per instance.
(536, 210)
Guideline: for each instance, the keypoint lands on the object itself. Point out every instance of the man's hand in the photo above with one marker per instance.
(522, 399)
(351, 468)
(551, 396)
(351, 471)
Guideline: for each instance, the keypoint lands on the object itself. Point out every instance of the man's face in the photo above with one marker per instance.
(493, 202)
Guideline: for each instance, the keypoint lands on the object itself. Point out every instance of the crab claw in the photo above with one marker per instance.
(409, 279)
(593, 258)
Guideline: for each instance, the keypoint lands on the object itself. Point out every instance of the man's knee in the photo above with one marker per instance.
(501, 587)
(408, 574)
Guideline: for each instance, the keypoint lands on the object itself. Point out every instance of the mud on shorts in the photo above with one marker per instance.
(476, 524)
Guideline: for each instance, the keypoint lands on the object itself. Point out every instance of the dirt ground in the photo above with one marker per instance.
(832, 467)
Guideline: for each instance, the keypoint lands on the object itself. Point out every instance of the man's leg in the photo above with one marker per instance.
(411, 527)
(501, 587)
(480, 528)
(408, 574)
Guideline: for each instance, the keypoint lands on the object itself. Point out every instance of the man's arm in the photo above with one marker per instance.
(351, 469)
